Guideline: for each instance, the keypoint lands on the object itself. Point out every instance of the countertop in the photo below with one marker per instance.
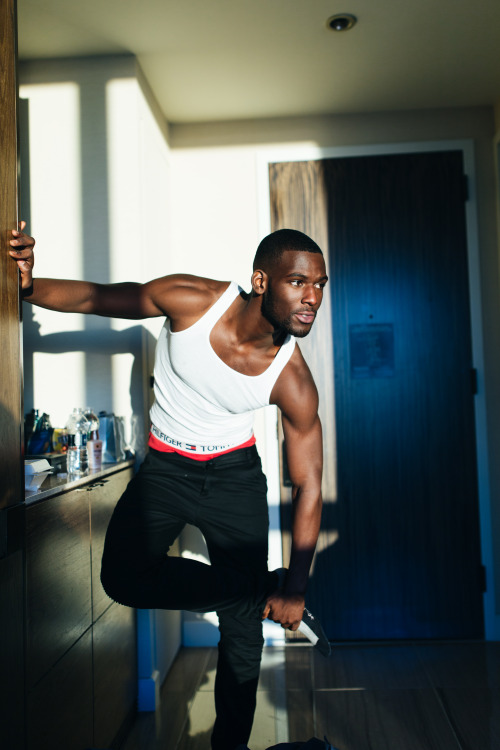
(54, 484)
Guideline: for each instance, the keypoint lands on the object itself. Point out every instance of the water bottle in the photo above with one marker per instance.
(77, 427)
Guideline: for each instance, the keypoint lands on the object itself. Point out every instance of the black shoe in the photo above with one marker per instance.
(311, 628)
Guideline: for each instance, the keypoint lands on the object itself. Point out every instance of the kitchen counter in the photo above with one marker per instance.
(54, 484)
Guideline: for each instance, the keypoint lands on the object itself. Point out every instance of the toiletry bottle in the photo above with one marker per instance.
(94, 444)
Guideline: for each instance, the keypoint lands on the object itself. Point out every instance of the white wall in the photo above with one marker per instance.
(96, 171)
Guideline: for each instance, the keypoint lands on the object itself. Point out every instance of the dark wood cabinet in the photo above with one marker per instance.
(11, 435)
(58, 583)
(115, 673)
(60, 707)
(80, 646)
(12, 719)
(114, 643)
(103, 497)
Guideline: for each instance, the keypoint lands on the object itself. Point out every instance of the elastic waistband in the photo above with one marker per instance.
(162, 442)
(234, 458)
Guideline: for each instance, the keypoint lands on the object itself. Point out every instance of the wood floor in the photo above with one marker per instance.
(430, 696)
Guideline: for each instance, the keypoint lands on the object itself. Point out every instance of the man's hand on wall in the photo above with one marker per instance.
(22, 251)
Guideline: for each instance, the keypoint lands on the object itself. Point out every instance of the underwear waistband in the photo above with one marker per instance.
(161, 442)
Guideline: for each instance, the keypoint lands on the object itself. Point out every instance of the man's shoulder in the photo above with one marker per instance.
(295, 387)
(182, 296)
(196, 285)
(297, 367)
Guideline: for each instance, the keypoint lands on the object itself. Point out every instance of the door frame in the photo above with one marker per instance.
(276, 154)
(11, 421)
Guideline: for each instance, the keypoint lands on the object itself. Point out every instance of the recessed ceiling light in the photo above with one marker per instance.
(341, 22)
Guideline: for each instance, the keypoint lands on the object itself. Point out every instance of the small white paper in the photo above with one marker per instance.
(36, 465)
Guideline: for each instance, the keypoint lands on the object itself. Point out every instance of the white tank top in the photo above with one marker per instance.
(201, 404)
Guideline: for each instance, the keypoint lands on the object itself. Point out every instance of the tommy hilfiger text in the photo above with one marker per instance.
(190, 447)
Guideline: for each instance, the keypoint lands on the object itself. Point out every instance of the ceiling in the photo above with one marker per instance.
(235, 59)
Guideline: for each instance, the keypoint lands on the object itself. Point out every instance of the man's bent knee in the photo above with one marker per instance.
(118, 585)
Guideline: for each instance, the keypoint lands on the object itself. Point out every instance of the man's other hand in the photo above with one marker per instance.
(287, 609)
(22, 251)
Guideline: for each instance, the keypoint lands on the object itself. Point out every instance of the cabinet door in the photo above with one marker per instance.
(103, 498)
(57, 579)
(11, 415)
(60, 707)
(11, 652)
(115, 672)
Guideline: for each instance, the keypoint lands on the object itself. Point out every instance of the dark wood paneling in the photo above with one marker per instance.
(103, 498)
(60, 706)
(115, 674)
(11, 475)
(11, 470)
(57, 578)
(11, 652)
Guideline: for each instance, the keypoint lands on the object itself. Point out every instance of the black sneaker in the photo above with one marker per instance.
(311, 628)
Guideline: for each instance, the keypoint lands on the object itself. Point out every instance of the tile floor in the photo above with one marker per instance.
(403, 696)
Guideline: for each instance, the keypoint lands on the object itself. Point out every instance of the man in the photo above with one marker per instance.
(221, 354)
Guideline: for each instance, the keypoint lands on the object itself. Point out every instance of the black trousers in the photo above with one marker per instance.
(226, 499)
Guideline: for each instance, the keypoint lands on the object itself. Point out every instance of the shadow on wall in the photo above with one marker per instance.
(94, 168)
(99, 347)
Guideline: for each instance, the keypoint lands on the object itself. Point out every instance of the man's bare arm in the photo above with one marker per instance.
(297, 397)
(178, 297)
(181, 297)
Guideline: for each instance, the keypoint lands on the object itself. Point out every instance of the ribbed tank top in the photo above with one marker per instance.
(202, 406)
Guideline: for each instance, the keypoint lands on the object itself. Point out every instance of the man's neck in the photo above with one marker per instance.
(251, 327)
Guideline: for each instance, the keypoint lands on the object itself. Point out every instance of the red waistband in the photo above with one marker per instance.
(159, 445)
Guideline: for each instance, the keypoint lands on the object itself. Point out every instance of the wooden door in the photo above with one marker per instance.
(12, 715)
(11, 472)
(399, 551)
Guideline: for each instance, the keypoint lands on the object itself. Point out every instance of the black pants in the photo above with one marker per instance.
(226, 499)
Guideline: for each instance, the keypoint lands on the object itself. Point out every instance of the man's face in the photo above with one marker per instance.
(295, 292)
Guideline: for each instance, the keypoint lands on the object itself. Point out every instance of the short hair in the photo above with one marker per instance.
(275, 244)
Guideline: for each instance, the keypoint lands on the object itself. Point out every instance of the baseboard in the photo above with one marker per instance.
(148, 698)
(199, 633)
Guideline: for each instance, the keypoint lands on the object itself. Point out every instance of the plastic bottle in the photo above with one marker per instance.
(94, 444)
(40, 440)
(77, 427)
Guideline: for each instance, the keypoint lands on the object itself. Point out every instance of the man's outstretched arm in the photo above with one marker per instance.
(178, 296)
(297, 397)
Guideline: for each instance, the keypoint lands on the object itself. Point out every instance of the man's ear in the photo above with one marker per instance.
(259, 281)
